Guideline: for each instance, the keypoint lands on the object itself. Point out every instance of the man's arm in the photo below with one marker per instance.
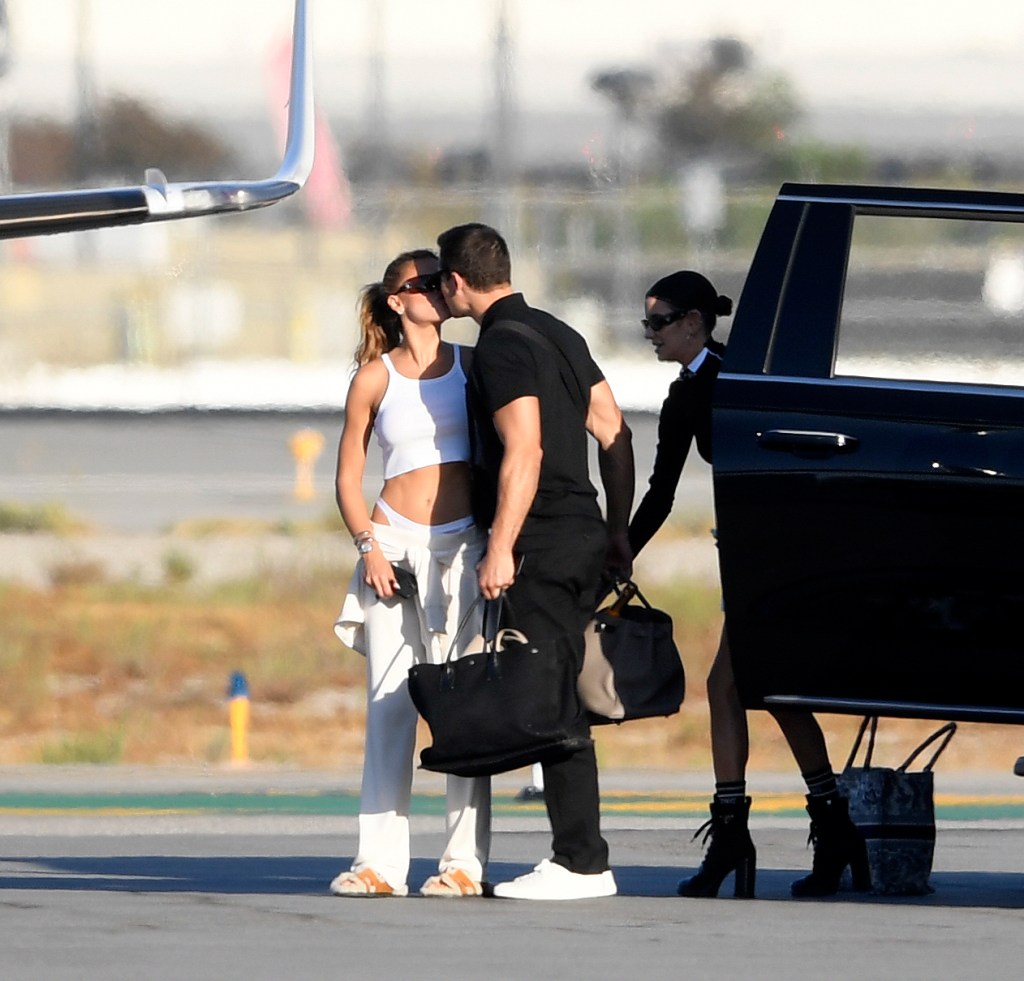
(615, 460)
(518, 427)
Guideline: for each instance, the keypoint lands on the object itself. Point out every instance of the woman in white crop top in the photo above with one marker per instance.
(409, 390)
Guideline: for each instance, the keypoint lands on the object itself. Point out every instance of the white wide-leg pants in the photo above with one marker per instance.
(395, 634)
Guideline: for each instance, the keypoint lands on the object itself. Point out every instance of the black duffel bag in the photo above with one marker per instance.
(631, 668)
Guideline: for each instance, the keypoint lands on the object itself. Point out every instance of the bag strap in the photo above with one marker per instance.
(873, 721)
(577, 394)
(491, 619)
(625, 590)
(489, 630)
(640, 596)
(948, 730)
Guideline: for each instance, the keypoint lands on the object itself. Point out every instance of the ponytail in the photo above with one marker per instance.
(380, 328)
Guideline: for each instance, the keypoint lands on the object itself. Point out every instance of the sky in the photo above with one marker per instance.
(892, 53)
(597, 27)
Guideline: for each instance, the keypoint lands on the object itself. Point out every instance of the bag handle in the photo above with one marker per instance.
(948, 730)
(491, 619)
(873, 721)
(625, 590)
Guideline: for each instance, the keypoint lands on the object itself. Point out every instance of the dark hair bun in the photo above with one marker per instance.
(689, 290)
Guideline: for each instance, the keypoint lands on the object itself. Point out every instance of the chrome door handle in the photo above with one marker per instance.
(958, 470)
(805, 442)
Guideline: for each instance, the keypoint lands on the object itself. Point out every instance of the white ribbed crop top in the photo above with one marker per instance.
(423, 421)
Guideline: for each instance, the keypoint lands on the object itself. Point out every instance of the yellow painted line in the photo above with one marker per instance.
(657, 802)
(954, 800)
(656, 807)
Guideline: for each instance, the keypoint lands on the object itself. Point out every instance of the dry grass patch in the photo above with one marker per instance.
(329, 521)
(51, 518)
(119, 673)
(99, 671)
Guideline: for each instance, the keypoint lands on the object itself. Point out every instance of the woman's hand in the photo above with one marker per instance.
(618, 562)
(378, 573)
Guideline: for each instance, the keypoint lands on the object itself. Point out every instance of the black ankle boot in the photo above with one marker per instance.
(837, 844)
(730, 850)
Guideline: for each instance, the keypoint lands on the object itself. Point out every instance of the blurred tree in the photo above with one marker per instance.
(630, 92)
(42, 153)
(718, 105)
(130, 136)
(628, 89)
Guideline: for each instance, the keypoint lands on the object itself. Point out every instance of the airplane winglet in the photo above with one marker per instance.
(161, 200)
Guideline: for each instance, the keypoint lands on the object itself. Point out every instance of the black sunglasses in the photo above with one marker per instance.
(658, 320)
(429, 283)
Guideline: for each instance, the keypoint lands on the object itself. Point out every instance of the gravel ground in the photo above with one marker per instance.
(35, 559)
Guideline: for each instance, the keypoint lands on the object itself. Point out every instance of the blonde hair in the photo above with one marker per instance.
(380, 328)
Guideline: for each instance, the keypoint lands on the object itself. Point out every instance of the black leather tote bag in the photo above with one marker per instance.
(504, 704)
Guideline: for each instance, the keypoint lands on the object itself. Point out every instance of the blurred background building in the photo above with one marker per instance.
(659, 145)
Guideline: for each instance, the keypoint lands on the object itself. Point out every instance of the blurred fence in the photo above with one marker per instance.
(257, 287)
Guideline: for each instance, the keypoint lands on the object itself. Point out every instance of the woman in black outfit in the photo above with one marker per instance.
(681, 312)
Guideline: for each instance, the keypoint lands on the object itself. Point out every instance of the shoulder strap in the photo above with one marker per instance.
(577, 393)
(461, 353)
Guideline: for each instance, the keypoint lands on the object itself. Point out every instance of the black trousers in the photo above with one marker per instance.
(553, 597)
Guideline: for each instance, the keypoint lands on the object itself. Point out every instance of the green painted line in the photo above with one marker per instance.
(669, 804)
(187, 803)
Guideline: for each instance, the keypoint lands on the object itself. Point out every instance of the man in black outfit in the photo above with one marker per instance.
(534, 394)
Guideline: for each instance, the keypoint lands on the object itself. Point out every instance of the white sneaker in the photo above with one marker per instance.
(551, 881)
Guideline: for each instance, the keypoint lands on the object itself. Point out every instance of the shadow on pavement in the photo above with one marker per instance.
(310, 875)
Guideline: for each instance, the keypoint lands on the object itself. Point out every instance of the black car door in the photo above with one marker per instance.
(868, 472)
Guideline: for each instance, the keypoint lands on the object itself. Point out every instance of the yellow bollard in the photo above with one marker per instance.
(306, 445)
(238, 716)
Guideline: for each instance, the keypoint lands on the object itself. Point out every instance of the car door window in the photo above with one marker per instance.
(933, 299)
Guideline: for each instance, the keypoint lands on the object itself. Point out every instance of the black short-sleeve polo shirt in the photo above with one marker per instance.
(521, 352)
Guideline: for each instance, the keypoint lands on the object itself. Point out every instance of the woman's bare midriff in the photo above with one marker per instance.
(431, 495)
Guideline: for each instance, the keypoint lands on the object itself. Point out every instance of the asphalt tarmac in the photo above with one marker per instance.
(168, 893)
(111, 873)
(145, 472)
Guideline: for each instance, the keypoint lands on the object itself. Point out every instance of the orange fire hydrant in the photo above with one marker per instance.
(306, 445)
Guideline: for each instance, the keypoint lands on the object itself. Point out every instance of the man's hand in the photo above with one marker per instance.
(496, 571)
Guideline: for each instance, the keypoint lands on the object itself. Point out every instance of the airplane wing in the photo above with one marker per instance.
(161, 200)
